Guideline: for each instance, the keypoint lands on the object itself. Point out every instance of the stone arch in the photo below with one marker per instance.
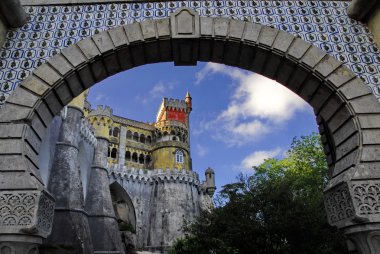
(348, 114)
(124, 209)
(129, 134)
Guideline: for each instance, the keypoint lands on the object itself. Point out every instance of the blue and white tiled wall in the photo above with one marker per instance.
(323, 23)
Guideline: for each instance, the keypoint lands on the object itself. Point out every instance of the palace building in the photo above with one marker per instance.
(137, 178)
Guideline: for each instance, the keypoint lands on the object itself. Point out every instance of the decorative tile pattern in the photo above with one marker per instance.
(323, 23)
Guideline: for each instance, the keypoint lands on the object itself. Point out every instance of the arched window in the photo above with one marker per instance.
(148, 140)
(141, 159)
(135, 136)
(114, 153)
(178, 156)
(116, 132)
(148, 160)
(134, 157)
(129, 134)
(142, 138)
(110, 132)
(127, 155)
(174, 138)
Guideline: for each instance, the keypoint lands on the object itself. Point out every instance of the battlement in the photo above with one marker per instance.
(174, 103)
(102, 110)
(117, 172)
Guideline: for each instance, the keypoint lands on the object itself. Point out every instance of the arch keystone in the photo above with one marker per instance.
(185, 23)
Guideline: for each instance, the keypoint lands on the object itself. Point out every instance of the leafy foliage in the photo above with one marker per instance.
(279, 209)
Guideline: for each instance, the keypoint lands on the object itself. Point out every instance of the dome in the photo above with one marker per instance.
(209, 171)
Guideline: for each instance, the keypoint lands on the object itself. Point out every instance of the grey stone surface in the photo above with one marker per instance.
(359, 9)
(13, 12)
(70, 229)
(318, 78)
(104, 229)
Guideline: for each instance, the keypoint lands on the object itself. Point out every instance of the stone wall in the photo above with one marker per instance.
(163, 200)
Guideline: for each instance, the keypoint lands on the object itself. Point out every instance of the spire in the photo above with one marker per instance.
(188, 101)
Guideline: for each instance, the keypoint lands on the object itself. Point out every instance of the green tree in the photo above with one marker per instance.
(279, 209)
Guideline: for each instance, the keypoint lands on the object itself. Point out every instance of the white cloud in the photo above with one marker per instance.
(161, 89)
(258, 157)
(201, 150)
(258, 106)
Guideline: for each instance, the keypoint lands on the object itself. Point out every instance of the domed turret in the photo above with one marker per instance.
(210, 181)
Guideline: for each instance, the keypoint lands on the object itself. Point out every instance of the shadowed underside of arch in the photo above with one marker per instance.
(347, 112)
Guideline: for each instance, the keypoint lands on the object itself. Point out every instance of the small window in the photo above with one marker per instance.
(116, 132)
(179, 156)
(129, 134)
(114, 153)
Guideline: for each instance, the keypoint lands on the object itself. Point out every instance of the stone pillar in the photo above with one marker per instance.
(71, 231)
(354, 207)
(122, 141)
(104, 228)
(13, 12)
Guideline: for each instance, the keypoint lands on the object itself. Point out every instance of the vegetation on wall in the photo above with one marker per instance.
(279, 209)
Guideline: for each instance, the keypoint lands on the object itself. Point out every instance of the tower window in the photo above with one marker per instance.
(114, 153)
(179, 156)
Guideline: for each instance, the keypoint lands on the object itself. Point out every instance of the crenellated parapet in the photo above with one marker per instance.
(87, 132)
(154, 176)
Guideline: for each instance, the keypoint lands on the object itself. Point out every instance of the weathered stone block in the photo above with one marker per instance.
(38, 126)
(163, 28)
(340, 76)
(35, 85)
(309, 88)
(327, 65)
(74, 55)
(330, 107)
(103, 42)
(184, 23)
(207, 28)
(313, 56)
(370, 153)
(148, 28)
(369, 121)
(344, 132)
(365, 104)
(44, 113)
(60, 64)
(347, 146)
(339, 118)
(89, 48)
(134, 33)
(298, 48)
(297, 79)
(118, 36)
(47, 74)
(86, 75)
(112, 64)
(11, 130)
(283, 41)
(252, 32)
(12, 112)
(267, 36)
(125, 58)
(371, 137)
(63, 93)
(236, 30)
(354, 88)
(22, 97)
(74, 84)
(320, 97)
(346, 162)
(285, 70)
(53, 102)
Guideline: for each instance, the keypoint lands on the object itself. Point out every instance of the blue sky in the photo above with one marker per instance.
(239, 118)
